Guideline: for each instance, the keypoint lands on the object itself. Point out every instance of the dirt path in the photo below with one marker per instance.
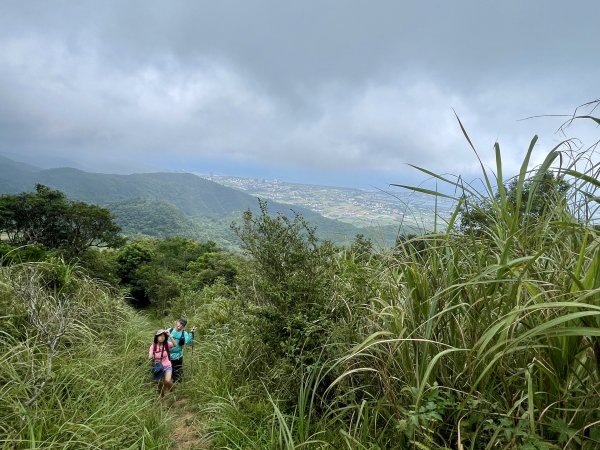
(188, 432)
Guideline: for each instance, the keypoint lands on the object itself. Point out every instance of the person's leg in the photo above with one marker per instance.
(167, 382)
(177, 369)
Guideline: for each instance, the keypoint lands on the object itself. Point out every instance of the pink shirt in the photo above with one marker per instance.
(155, 354)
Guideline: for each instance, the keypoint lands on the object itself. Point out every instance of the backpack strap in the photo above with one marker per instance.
(155, 351)
(181, 339)
(165, 346)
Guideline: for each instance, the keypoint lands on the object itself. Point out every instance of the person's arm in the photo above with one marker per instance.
(171, 340)
(189, 337)
(151, 352)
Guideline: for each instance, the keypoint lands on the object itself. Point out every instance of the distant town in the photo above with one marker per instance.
(355, 206)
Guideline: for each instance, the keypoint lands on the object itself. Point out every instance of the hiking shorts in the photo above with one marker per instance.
(160, 375)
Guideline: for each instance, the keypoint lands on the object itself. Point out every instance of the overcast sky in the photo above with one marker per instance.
(335, 92)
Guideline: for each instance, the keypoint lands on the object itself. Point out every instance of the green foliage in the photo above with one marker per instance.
(362, 247)
(10, 254)
(47, 218)
(450, 341)
(101, 264)
(287, 281)
(289, 262)
(528, 201)
(210, 267)
(155, 218)
(158, 272)
(505, 326)
(131, 260)
(411, 246)
(72, 364)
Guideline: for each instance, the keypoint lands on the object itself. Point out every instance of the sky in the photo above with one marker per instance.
(346, 93)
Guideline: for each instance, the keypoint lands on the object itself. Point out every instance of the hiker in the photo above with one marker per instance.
(159, 354)
(181, 338)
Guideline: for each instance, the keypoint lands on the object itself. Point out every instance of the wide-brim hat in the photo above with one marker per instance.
(159, 332)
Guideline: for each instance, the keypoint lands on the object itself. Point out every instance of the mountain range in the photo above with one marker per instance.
(168, 204)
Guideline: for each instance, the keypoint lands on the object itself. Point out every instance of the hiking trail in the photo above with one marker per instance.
(188, 431)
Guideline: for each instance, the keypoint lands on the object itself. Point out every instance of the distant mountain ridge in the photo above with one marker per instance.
(191, 194)
(15, 176)
(184, 203)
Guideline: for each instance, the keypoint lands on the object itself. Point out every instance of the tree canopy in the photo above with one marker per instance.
(48, 218)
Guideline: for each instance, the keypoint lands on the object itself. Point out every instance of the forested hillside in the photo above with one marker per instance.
(185, 204)
(153, 218)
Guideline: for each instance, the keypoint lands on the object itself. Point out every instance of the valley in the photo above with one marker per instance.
(358, 207)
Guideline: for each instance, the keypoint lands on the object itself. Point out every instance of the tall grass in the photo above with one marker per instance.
(490, 340)
(96, 394)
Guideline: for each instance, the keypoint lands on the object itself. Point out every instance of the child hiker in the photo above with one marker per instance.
(159, 354)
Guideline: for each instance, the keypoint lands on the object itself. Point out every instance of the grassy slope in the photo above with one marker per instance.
(99, 394)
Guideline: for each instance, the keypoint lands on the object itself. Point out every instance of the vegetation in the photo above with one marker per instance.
(472, 340)
(72, 364)
(157, 272)
(163, 205)
(534, 199)
(47, 218)
(153, 218)
(485, 335)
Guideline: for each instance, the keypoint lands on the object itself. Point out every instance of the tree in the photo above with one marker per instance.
(211, 266)
(287, 284)
(362, 248)
(175, 253)
(90, 226)
(291, 264)
(156, 271)
(48, 218)
(131, 260)
(411, 246)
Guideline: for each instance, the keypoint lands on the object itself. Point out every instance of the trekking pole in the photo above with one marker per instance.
(193, 339)
(193, 360)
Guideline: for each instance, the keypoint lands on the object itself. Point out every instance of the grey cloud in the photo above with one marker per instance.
(309, 85)
(312, 40)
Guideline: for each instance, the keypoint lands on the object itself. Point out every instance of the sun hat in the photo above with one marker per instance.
(159, 332)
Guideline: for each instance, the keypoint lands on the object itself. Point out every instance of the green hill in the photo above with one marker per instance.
(166, 204)
(16, 176)
(189, 193)
(153, 218)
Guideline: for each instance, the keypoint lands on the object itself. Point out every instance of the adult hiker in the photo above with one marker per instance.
(159, 354)
(182, 338)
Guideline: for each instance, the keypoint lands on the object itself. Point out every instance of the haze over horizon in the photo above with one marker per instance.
(332, 93)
